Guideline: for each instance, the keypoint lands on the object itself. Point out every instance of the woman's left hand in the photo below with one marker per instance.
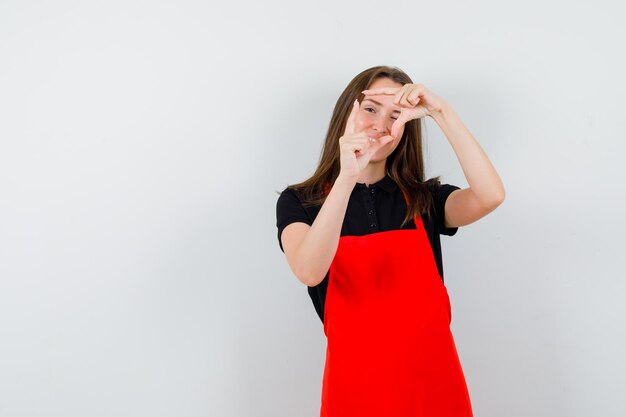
(415, 100)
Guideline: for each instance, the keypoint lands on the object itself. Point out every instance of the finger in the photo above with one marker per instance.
(395, 127)
(351, 123)
(388, 91)
(414, 97)
(400, 98)
(360, 142)
(385, 140)
(356, 147)
(380, 142)
(371, 144)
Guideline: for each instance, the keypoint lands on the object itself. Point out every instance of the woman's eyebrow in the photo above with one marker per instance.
(380, 104)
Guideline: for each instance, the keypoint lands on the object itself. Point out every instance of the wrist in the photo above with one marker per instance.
(443, 114)
(345, 181)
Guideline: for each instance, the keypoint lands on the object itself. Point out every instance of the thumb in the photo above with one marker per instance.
(400, 121)
(395, 128)
(385, 140)
(380, 142)
(351, 122)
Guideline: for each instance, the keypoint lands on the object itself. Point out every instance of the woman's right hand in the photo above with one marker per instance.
(356, 148)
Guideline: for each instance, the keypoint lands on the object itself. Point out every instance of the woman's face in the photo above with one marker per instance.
(377, 113)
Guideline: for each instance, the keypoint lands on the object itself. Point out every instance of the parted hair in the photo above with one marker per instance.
(405, 165)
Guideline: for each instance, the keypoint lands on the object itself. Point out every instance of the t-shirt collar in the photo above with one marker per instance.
(386, 184)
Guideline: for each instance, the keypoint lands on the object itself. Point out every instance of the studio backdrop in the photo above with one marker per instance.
(142, 145)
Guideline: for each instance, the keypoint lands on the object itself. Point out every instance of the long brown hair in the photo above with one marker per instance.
(404, 165)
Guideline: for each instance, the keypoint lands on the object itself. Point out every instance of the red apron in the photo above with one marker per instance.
(390, 351)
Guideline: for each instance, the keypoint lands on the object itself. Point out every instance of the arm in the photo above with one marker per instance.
(485, 191)
(310, 249)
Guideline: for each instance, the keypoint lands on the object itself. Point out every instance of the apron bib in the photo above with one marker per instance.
(390, 351)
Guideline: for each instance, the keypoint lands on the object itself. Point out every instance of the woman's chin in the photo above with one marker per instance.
(382, 153)
(378, 156)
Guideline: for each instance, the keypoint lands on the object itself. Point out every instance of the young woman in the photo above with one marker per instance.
(363, 234)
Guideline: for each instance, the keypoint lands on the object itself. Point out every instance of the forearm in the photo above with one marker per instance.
(318, 248)
(481, 176)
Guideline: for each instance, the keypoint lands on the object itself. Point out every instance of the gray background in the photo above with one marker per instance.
(142, 143)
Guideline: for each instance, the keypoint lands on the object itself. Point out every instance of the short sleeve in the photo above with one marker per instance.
(440, 195)
(289, 210)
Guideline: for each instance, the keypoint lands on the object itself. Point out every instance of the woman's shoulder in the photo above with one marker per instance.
(438, 188)
(293, 192)
(306, 195)
(440, 192)
(291, 207)
(293, 196)
(289, 194)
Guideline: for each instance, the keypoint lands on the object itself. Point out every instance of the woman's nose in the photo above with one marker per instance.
(380, 124)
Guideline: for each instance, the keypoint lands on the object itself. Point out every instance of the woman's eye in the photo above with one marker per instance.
(367, 109)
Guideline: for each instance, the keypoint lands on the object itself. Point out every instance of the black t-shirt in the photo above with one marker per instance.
(377, 208)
